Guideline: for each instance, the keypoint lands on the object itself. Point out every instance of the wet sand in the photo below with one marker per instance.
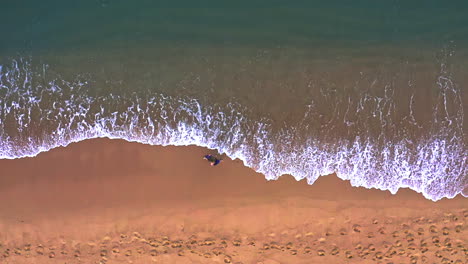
(110, 201)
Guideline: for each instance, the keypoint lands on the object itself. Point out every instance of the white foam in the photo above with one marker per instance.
(434, 164)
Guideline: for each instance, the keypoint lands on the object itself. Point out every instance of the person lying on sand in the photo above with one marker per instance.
(212, 159)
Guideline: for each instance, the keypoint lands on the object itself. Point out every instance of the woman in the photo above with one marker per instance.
(212, 159)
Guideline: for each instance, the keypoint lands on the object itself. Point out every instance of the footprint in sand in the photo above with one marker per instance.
(105, 240)
(6, 253)
(176, 244)
(423, 243)
(405, 228)
(164, 250)
(236, 242)
(409, 238)
(91, 248)
(433, 229)
(378, 255)
(446, 261)
(153, 243)
(140, 250)
(363, 253)
(371, 247)
(217, 251)
(343, 232)
(445, 231)
(397, 243)
(211, 242)
(420, 231)
(390, 253)
(401, 251)
(453, 251)
(424, 249)
(275, 245)
(357, 228)
(386, 244)
(382, 230)
(136, 234)
(223, 243)
(26, 247)
(419, 220)
(227, 259)
(40, 249)
(453, 217)
(17, 251)
(460, 244)
(153, 252)
(192, 239)
(358, 246)
(448, 242)
(411, 246)
(335, 251)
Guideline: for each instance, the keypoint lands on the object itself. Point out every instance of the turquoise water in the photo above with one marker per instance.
(374, 91)
(68, 26)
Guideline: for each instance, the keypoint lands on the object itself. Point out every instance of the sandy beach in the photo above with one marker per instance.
(110, 201)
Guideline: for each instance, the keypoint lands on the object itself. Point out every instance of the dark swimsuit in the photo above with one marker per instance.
(210, 158)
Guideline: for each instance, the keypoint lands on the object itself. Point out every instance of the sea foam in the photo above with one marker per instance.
(39, 113)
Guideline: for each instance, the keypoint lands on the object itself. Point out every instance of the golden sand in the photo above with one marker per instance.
(107, 201)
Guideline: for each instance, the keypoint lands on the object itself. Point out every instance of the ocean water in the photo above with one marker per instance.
(375, 92)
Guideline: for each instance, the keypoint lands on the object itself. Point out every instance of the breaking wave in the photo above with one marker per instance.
(39, 112)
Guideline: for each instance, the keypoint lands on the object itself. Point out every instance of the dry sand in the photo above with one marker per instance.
(110, 201)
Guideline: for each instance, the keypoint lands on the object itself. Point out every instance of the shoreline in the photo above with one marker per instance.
(120, 195)
(462, 194)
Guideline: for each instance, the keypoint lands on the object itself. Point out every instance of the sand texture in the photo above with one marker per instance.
(110, 201)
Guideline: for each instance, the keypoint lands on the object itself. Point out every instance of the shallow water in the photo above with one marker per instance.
(373, 92)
